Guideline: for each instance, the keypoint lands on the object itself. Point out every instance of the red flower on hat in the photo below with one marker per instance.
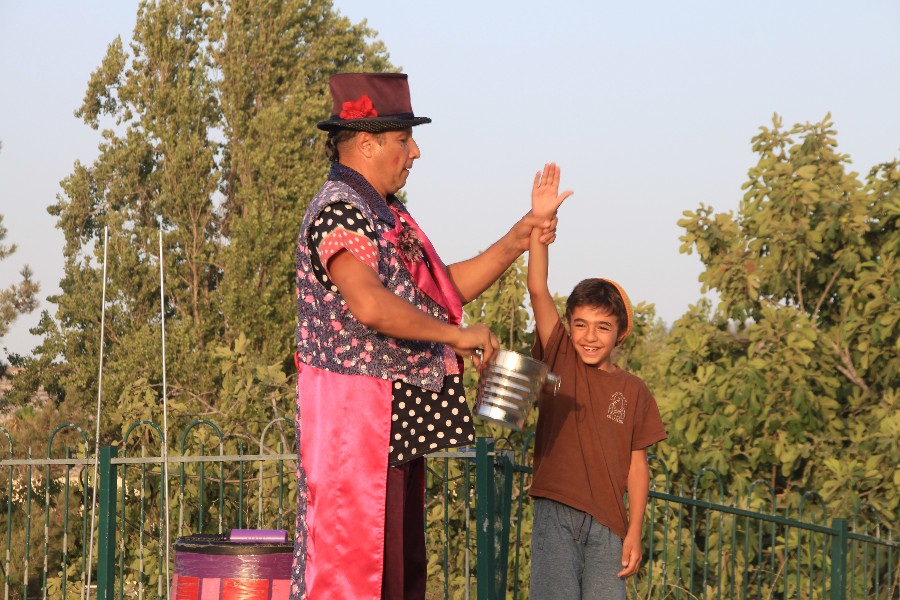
(361, 108)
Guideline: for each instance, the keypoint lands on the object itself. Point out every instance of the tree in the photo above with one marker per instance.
(793, 378)
(17, 299)
(275, 59)
(209, 138)
(155, 173)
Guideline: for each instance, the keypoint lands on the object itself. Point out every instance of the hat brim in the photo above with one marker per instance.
(373, 125)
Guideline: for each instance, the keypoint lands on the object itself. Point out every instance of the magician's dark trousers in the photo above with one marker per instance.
(405, 564)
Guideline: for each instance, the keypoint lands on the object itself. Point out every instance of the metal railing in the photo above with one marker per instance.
(477, 510)
(209, 489)
(700, 548)
(696, 548)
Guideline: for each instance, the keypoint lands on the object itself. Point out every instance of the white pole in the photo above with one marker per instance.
(165, 445)
(87, 589)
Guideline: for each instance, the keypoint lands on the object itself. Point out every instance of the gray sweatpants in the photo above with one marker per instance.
(572, 556)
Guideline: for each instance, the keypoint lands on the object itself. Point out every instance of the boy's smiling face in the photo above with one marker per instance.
(594, 332)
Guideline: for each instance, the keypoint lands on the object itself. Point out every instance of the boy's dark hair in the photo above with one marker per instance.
(598, 293)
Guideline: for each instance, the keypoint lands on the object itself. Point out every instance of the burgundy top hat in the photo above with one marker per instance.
(372, 102)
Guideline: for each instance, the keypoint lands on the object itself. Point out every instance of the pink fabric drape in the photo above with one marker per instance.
(344, 449)
(435, 281)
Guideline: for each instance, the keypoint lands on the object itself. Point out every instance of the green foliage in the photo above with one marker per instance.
(793, 378)
(208, 134)
(17, 299)
(503, 307)
(641, 352)
(275, 59)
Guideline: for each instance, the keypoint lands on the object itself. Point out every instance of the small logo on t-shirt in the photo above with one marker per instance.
(616, 410)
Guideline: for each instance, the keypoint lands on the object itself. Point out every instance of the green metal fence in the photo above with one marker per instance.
(478, 517)
(697, 547)
(754, 548)
(213, 484)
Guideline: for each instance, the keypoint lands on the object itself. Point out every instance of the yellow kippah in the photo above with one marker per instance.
(627, 304)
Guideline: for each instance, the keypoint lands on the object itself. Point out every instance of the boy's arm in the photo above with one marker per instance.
(545, 315)
(545, 200)
(638, 491)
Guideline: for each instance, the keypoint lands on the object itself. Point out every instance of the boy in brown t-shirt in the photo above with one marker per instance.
(591, 441)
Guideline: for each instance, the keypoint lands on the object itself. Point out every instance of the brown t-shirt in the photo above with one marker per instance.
(586, 433)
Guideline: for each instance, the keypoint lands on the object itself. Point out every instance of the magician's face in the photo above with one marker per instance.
(392, 159)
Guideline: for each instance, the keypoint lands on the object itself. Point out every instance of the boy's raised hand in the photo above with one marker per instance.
(545, 196)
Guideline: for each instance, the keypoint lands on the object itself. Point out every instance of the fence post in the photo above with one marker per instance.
(839, 545)
(501, 545)
(484, 520)
(106, 542)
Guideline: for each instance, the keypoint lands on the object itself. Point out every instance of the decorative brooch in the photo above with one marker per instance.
(361, 108)
(409, 245)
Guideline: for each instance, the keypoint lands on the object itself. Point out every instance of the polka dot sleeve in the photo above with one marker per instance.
(341, 227)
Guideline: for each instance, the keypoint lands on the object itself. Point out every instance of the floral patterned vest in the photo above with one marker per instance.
(328, 337)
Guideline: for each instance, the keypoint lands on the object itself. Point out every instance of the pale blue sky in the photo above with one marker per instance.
(648, 106)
